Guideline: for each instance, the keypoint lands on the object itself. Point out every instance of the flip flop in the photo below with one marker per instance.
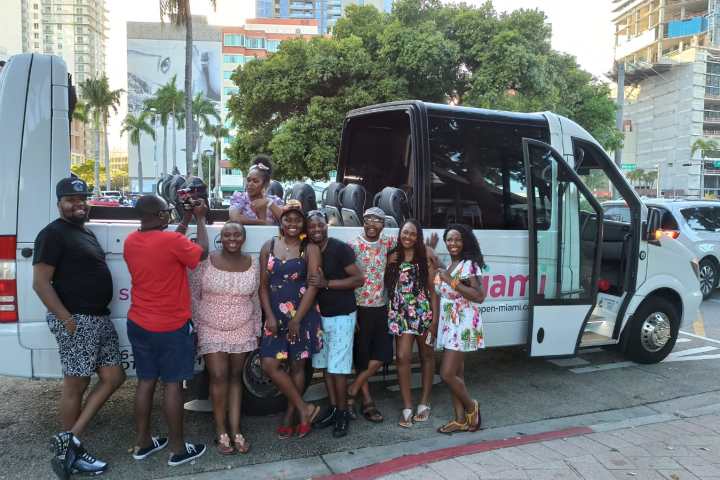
(423, 413)
(241, 445)
(453, 426)
(406, 417)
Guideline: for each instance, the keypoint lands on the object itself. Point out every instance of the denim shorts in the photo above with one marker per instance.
(337, 351)
(169, 356)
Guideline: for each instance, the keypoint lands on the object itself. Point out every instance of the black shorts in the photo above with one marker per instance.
(374, 341)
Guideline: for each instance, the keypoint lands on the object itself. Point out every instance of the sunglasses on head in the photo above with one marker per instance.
(317, 213)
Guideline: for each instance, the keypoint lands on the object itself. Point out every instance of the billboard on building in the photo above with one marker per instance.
(151, 64)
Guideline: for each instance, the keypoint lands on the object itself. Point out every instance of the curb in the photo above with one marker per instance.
(410, 461)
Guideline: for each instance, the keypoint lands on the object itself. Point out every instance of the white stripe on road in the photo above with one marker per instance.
(683, 340)
(691, 351)
(696, 357)
(711, 340)
(603, 366)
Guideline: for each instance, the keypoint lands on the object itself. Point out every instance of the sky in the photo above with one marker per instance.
(581, 28)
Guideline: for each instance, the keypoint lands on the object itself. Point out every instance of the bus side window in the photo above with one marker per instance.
(478, 173)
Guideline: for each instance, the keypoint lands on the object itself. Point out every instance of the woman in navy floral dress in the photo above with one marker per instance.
(292, 323)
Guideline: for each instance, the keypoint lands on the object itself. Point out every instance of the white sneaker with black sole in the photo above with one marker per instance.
(192, 451)
(158, 443)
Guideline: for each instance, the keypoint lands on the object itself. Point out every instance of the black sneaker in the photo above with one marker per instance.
(157, 444)
(87, 464)
(65, 449)
(326, 418)
(342, 422)
(192, 451)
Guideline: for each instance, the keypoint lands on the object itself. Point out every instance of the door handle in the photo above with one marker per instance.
(26, 252)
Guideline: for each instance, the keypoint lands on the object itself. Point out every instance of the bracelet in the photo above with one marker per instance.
(454, 283)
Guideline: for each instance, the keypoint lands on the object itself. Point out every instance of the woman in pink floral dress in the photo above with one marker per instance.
(457, 327)
(227, 314)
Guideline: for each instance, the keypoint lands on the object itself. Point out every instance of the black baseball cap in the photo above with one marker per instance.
(71, 186)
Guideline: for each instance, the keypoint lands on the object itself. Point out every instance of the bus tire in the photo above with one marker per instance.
(260, 395)
(653, 331)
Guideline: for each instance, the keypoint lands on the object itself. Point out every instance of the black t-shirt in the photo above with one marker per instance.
(335, 258)
(82, 278)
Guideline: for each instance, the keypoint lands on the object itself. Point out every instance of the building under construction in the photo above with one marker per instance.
(670, 53)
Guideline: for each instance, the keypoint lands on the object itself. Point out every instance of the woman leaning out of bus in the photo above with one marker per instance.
(458, 328)
(292, 323)
(227, 314)
(409, 280)
(255, 206)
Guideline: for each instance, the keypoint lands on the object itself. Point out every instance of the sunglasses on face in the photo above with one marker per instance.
(373, 221)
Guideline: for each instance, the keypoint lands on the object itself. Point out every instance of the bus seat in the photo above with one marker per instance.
(394, 203)
(276, 188)
(353, 199)
(331, 203)
(305, 194)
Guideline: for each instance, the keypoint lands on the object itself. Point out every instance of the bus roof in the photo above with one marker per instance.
(537, 119)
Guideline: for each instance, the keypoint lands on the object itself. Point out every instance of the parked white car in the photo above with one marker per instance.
(694, 223)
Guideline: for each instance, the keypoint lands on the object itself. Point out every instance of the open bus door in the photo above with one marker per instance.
(564, 262)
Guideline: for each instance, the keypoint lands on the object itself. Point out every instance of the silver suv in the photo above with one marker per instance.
(695, 223)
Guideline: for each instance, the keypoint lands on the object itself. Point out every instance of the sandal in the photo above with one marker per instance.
(284, 432)
(406, 418)
(223, 445)
(371, 413)
(305, 428)
(453, 426)
(473, 418)
(423, 413)
(241, 445)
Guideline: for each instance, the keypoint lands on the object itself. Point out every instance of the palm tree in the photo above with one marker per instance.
(135, 127)
(203, 110)
(176, 98)
(100, 99)
(218, 132)
(179, 13)
(704, 147)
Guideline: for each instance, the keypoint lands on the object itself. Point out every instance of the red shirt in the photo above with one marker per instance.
(158, 263)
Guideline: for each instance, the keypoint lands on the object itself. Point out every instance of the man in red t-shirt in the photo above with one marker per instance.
(158, 324)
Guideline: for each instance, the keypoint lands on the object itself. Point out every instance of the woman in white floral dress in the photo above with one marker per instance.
(458, 328)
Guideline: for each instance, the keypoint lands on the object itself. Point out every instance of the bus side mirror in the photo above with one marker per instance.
(652, 227)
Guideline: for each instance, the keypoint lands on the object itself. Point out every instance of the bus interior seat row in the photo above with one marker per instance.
(345, 205)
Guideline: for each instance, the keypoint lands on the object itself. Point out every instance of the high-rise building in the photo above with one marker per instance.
(670, 51)
(156, 54)
(326, 12)
(76, 30)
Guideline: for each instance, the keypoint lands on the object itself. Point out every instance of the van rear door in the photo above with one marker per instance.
(563, 268)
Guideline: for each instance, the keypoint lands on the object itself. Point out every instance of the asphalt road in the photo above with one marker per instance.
(512, 390)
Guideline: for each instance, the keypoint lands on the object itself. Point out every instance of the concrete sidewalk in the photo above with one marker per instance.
(673, 440)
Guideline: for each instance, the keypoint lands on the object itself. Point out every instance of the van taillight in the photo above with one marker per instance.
(8, 283)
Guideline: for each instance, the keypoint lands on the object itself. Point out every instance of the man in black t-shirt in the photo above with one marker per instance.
(72, 279)
(337, 281)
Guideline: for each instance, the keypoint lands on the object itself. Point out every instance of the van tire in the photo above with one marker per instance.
(260, 396)
(653, 321)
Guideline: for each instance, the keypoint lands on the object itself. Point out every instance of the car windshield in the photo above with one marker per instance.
(702, 218)
(619, 213)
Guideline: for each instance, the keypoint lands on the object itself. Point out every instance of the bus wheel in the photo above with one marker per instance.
(260, 395)
(653, 331)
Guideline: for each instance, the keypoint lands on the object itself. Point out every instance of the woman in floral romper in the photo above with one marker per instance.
(292, 323)
(408, 279)
(458, 328)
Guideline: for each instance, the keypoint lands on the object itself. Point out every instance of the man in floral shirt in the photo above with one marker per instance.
(374, 343)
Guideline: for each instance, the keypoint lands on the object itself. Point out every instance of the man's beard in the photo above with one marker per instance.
(80, 221)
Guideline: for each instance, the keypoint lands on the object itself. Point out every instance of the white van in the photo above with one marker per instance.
(560, 276)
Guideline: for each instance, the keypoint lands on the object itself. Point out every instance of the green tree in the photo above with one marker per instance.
(168, 103)
(80, 114)
(179, 13)
(203, 111)
(135, 127)
(218, 132)
(100, 99)
(292, 104)
(86, 172)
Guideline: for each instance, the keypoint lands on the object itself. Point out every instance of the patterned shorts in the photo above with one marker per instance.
(95, 344)
(336, 354)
